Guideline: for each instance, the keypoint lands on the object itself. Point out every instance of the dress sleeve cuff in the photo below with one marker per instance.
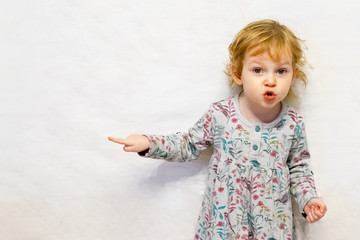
(146, 152)
(143, 153)
(306, 199)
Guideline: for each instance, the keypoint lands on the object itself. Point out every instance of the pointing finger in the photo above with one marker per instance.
(118, 140)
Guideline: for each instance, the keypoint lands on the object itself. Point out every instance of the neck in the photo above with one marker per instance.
(255, 113)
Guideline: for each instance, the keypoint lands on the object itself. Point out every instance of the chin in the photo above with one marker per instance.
(270, 105)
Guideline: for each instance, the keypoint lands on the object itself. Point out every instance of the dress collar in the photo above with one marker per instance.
(271, 124)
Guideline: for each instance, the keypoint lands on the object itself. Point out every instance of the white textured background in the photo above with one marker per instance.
(73, 72)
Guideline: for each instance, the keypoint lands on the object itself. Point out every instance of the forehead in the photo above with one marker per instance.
(280, 55)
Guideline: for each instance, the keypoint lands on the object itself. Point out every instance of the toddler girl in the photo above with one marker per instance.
(260, 153)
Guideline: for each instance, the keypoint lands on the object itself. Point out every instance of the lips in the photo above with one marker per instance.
(269, 95)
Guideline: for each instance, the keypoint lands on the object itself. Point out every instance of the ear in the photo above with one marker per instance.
(235, 76)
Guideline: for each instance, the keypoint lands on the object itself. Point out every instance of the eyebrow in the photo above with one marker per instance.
(285, 64)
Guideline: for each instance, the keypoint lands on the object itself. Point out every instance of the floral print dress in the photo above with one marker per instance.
(253, 171)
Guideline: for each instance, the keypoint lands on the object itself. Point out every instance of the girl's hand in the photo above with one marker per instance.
(315, 209)
(133, 143)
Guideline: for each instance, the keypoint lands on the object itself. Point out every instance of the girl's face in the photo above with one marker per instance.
(265, 82)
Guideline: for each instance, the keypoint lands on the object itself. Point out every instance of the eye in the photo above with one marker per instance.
(257, 70)
(282, 71)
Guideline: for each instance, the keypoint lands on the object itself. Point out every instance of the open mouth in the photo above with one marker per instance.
(269, 95)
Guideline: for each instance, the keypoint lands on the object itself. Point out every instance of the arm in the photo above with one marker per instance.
(183, 146)
(302, 184)
(180, 146)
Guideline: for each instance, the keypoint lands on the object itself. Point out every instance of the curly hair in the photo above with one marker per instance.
(271, 37)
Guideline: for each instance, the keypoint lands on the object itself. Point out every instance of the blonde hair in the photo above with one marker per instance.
(270, 37)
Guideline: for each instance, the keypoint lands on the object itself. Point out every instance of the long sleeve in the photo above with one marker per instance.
(183, 146)
(302, 184)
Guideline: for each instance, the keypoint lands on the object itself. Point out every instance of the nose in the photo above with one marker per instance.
(270, 80)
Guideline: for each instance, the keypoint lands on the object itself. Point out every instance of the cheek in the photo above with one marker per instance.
(286, 88)
(251, 87)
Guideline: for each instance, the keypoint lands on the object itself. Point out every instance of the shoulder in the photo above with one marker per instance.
(224, 104)
(224, 108)
(229, 101)
(295, 123)
(294, 116)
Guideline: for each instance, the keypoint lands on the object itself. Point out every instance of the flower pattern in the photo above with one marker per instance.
(254, 169)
